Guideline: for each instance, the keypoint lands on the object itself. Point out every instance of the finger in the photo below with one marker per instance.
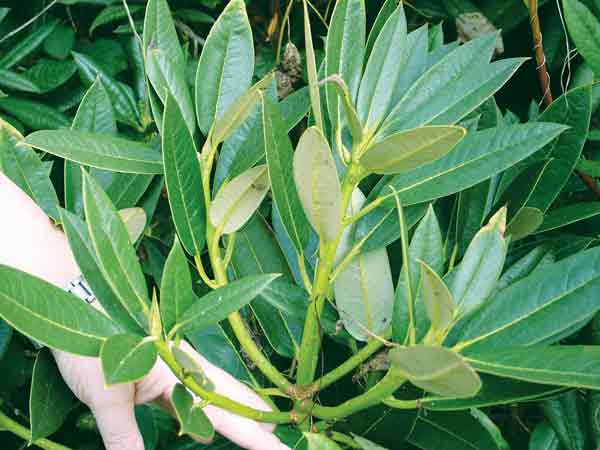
(118, 427)
(244, 432)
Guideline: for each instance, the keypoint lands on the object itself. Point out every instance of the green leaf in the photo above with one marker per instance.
(183, 179)
(312, 71)
(33, 115)
(135, 222)
(6, 333)
(494, 391)
(437, 370)
(536, 259)
(318, 184)
(168, 80)
(561, 217)
(452, 88)
(112, 14)
(60, 42)
(411, 149)
(584, 29)
(574, 366)
(437, 430)
(438, 300)
(98, 150)
(50, 315)
(17, 82)
(226, 64)
(95, 112)
(280, 154)
(426, 247)
(116, 256)
(365, 444)
(566, 415)
(387, 9)
(176, 288)
(479, 156)
(192, 420)
(414, 66)
(239, 199)
(48, 74)
(343, 93)
(345, 50)
(218, 304)
(127, 358)
(22, 165)
(475, 277)
(525, 222)
(386, 63)
(544, 437)
(364, 290)
(551, 301)
(320, 442)
(159, 31)
(84, 253)
(257, 252)
(121, 95)
(50, 399)
(27, 45)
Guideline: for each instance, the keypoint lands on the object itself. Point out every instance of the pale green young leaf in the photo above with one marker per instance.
(320, 442)
(354, 122)
(98, 150)
(481, 155)
(218, 304)
(239, 199)
(311, 69)
(50, 399)
(183, 179)
(21, 164)
(192, 420)
(318, 184)
(50, 315)
(575, 366)
(364, 290)
(437, 370)
(127, 358)
(134, 220)
(280, 154)
(475, 277)
(238, 111)
(438, 300)
(84, 253)
(176, 294)
(117, 258)
(386, 63)
(408, 150)
(192, 368)
(345, 50)
(226, 65)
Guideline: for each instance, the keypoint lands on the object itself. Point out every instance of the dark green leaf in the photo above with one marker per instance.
(27, 45)
(561, 217)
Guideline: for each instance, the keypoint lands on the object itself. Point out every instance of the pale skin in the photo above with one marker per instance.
(30, 242)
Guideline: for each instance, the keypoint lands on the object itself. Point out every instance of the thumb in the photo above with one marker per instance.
(118, 426)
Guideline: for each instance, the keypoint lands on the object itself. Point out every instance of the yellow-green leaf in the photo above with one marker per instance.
(135, 222)
(192, 420)
(437, 370)
(237, 200)
(317, 183)
(127, 358)
(438, 300)
(410, 149)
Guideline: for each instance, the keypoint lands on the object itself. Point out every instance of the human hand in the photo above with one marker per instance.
(31, 243)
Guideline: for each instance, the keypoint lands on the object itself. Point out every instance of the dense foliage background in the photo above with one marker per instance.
(51, 52)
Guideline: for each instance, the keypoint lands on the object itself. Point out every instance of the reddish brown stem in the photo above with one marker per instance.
(544, 77)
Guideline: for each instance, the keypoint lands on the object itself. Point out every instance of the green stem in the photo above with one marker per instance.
(351, 363)
(216, 399)
(382, 390)
(6, 423)
(309, 348)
